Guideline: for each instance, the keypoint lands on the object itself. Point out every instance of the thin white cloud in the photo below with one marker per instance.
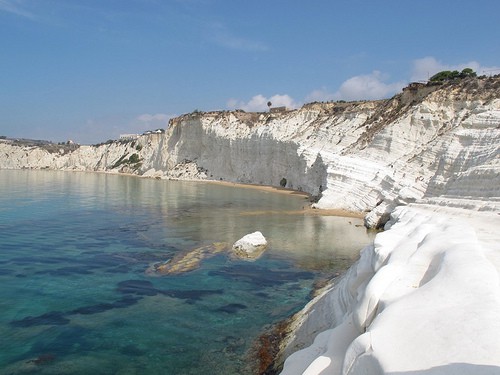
(148, 121)
(426, 67)
(15, 7)
(258, 103)
(220, 35)
(100, 129)
(362, 87)
(321, 95)
(369, 86)
(146, 117)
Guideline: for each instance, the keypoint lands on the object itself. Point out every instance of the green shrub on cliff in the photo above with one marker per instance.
(447, 75)
(134, 159)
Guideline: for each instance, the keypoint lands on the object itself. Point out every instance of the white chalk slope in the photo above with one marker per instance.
(424, 299)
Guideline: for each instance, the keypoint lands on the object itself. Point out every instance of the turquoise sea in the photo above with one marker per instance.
(75, 297)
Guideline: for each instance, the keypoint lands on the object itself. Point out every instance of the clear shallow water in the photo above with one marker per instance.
(75, 298)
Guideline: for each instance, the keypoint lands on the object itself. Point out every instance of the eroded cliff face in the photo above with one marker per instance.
(438, 143)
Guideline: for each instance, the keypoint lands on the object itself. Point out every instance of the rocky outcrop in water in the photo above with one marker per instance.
(433, 143)
(250, 247)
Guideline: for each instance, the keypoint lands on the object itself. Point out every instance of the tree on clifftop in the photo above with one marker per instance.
(447, 75)
(468, 72)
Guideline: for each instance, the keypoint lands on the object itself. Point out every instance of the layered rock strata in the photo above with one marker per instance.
(425, 143)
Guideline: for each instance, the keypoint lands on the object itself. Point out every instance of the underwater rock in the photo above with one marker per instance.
(232, 308)
(50, 318)
(263, 277)
(102, 307)
(186, 261)
(42, 359)
(137, 287)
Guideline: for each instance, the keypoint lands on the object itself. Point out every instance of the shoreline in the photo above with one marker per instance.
(268, 188)
(270, 348)
(308, 210)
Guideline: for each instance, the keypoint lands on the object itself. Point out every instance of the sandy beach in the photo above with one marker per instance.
(307, 209)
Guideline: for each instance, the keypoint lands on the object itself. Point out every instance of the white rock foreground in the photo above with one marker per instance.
(251, 246)
(425, 298)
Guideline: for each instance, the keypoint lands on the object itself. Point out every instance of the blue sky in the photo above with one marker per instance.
(89, 70)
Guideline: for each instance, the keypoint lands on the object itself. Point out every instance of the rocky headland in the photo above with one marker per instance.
(425, 297)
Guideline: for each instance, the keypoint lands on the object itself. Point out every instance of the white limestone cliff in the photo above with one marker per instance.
(370, 156)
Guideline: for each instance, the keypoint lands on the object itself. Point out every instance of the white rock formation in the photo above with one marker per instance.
(251, 246)
(363, 156)
(424, 299)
